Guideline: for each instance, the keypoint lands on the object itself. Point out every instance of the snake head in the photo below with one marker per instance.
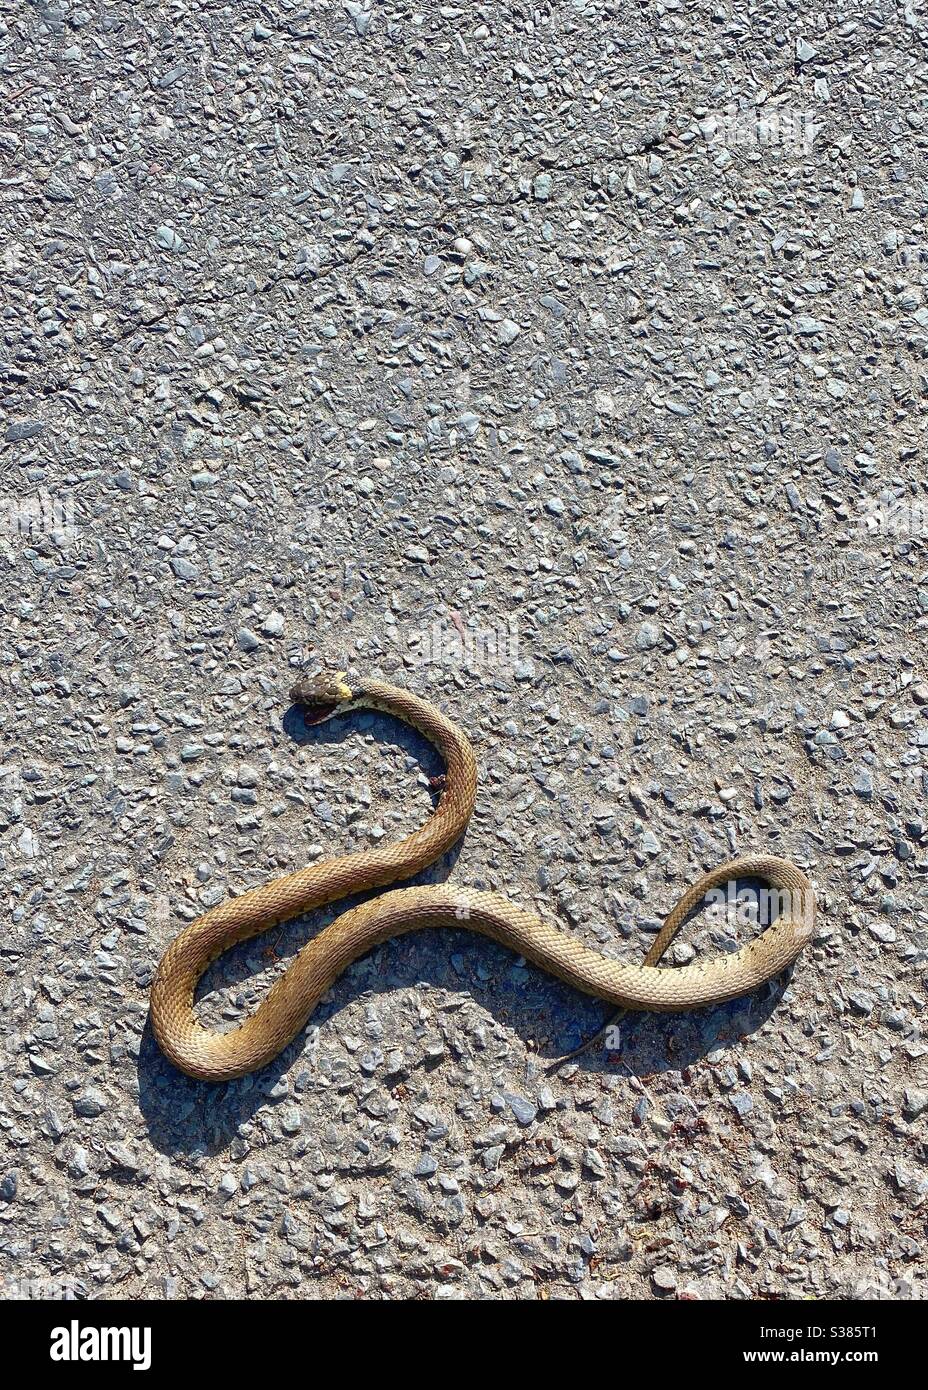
(322, 696)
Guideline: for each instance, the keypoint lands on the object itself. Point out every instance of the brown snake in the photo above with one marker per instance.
(215, 1056)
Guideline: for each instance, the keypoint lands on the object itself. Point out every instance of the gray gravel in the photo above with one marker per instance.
(567, 364)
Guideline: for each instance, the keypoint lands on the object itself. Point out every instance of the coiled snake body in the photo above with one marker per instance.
(215, 1056)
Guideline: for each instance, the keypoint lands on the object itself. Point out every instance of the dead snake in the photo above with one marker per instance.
(215, 1056)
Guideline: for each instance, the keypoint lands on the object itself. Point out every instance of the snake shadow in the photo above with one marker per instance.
(188, 1116)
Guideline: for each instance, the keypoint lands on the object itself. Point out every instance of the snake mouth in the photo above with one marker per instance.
(317, 713)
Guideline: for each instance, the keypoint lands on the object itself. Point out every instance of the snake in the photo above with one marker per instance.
(218, 1056)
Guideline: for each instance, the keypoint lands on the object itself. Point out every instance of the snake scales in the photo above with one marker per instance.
(215, 1056)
